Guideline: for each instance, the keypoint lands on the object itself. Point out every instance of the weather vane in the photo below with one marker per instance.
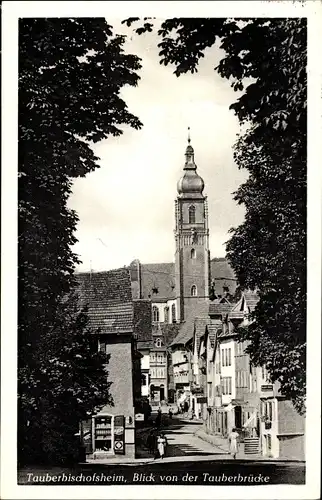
(189, 135)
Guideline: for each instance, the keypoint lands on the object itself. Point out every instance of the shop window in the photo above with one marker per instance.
(103, 440)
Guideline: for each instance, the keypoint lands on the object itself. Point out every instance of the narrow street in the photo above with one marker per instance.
(187, 456)
(182, 442)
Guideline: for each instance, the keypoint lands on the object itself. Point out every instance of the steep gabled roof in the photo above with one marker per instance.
(213, 329)
(251, 299)
(246, 304)
(200, 329)
(158, 281)
(108, 297)
(185, 334)
(142, 320)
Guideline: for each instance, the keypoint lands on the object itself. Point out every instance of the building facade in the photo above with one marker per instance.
(108, 296)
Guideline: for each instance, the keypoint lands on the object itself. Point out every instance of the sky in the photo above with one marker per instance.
(126, 207)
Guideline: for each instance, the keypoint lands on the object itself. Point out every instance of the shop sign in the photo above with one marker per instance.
(119, 434)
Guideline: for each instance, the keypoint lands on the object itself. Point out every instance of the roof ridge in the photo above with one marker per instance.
(126, 269)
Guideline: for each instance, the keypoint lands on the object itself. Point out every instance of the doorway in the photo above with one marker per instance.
(238, 417)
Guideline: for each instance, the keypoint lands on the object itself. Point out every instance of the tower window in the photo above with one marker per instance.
(193, 291)
(193, 253)
(166, 315)
(173, 312)
(155, 314)
(192, 214)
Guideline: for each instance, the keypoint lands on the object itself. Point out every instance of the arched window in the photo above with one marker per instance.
(166, 315)
(173, 313)
(192, 214)
(193, 253)
(193, 291)
(155, 314)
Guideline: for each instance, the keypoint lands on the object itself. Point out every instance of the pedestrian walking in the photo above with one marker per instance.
(161, 442)
(151, 442)
(158, 418)
(233, 442)
(170, 413)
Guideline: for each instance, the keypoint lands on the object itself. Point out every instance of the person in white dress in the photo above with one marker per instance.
(161, 442)
(233, 442)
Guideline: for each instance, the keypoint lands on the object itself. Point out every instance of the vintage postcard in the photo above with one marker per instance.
(161, 250)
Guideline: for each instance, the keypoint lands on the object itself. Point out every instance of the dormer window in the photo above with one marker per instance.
(192, 214)
(193, 291)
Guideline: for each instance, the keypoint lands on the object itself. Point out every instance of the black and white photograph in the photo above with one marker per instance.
(165, 317)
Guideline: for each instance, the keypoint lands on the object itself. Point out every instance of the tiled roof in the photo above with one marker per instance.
(236, 314)
(185, 334)
(142, 319)
(227, 331)
(159, 277)
(145, 344)
(214, 328)
(222, 274)
(217, 308)
(251, 299)
(200, 328)
(108, 297)
(169, 332)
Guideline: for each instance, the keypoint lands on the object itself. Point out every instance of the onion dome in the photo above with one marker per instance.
(191, 183)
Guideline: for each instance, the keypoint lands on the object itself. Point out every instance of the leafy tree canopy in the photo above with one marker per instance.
(71, 72)
(265, 59)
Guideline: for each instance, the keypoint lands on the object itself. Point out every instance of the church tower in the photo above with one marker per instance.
(192, 258)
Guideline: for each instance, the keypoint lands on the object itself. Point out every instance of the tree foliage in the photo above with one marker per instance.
(71, 72)
(265, 60)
